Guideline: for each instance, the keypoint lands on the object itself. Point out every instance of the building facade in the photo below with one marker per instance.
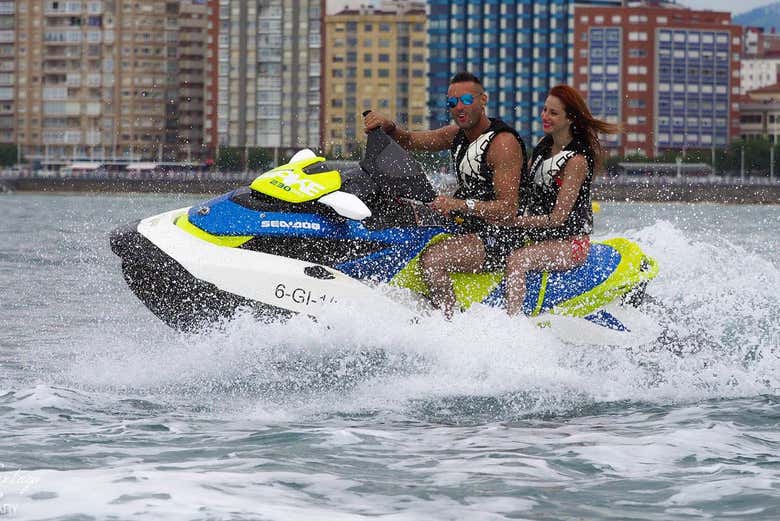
(519, 48)
(758, 72)
(187, 70)
(760, 114)
(374, 60)
(269, 55)
(211, 86)
(109, 80)
(669, 75)
(8, 72)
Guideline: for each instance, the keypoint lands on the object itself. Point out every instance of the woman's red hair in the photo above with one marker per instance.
(583, 124)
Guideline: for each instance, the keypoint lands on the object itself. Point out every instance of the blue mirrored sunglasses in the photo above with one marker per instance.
(466, 99)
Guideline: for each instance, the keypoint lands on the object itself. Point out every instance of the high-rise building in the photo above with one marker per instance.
(105, 79)
(187, 68)
(269, 73)
(374, 60)
(519, 48)
(211, 83)
(8, 72)
(668, 74)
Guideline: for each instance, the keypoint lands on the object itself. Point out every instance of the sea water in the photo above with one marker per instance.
(106, 413)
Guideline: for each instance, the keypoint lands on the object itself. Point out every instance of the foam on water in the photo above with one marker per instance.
(720, 337)
(110, 414)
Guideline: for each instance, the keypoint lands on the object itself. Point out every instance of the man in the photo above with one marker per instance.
(489, 159)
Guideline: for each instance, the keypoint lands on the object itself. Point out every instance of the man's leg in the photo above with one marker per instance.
(458, 254)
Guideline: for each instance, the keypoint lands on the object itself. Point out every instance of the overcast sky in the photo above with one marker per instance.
(735, 6)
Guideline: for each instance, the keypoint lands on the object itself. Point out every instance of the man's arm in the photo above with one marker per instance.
(505, 157)
(428, 140)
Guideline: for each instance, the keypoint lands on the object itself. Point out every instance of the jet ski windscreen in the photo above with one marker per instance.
(393, 170)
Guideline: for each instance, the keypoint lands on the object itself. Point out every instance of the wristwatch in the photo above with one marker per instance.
(471, 204)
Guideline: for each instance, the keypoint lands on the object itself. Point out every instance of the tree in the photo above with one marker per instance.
(259, 159)
(757, 156)
(356, 151)
(610, 165)
(230, 159)
(636, 158)
(8, 154)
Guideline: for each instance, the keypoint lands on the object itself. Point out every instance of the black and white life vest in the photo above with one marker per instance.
(475, 176)
(539, 190)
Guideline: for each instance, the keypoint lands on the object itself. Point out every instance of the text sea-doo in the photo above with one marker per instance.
(305, 235)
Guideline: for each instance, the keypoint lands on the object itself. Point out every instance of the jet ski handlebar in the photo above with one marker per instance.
(393, 169)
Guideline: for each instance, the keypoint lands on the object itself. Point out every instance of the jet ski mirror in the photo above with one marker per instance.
(346, 204)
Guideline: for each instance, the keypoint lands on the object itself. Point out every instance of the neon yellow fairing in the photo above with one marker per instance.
(628, 274)
(229, 241)
(469, 287)
(290, 183)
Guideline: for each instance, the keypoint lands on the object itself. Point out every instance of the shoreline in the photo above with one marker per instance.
(604, 189)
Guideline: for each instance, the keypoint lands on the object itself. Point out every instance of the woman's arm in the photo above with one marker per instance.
(574, 174)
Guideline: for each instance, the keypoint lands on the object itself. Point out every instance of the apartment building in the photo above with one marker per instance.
(760, 63)
(8, 72)
(269, 55)
(670, 75)
(107, 79)
(374, 60)
(759, 116)
(188, 68)
(519, 48)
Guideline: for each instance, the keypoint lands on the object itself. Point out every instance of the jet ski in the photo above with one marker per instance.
(306, 236)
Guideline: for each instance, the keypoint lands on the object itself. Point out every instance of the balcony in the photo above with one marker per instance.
(62, 9)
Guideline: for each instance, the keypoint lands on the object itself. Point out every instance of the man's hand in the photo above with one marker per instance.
(446, 204)
(373, 120)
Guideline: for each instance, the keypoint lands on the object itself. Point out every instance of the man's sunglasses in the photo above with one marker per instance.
(466, 99)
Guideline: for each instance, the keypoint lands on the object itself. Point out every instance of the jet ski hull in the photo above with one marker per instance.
(172, 293)
(190, 283)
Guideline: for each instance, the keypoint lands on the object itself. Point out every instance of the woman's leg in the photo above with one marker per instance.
(458, 254)
(557, 255)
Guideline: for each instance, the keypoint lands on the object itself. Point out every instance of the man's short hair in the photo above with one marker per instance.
(464, 77)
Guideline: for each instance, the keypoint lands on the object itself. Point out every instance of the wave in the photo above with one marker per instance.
(719, 338)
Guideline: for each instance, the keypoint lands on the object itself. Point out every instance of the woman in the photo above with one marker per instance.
(556, 214)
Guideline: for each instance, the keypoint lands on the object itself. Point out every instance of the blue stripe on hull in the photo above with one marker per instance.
(562, 285)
